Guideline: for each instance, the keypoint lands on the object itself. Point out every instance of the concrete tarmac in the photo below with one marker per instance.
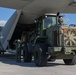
(9, 66)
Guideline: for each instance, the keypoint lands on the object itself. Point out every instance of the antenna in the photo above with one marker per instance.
(58, 13)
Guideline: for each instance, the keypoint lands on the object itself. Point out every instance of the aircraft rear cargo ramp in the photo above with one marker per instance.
(9, 28)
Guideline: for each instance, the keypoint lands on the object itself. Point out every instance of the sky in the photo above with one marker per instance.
(6, 13)
(71, 18)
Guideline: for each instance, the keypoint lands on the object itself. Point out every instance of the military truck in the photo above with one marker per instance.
(52, 40)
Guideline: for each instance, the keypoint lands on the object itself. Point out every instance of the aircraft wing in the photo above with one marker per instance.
(31, 9)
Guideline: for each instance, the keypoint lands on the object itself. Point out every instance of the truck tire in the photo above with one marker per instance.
(70, 61)
(27, 57)
(40, 56)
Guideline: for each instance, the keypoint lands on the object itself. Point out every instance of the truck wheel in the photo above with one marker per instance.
(40, 56)
(26, 55)
(70, 61)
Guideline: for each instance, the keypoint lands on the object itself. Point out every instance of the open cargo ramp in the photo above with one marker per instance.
(9, 28)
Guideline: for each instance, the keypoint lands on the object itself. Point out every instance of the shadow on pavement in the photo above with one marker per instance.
(10, 59)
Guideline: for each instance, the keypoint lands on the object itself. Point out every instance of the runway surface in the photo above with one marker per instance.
(9, 66)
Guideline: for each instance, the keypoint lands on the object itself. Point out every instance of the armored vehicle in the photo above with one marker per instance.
(52, 40)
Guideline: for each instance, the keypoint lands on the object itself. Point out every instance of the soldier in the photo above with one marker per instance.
(23, 37)
(24, 40)
(19, 46)
(60, 20)
(18, 50)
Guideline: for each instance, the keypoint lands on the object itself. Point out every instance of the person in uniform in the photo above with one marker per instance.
(60, 20)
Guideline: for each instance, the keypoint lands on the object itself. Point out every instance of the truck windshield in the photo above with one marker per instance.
(49, 21)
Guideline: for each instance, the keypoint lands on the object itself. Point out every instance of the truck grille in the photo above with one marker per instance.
(69, 37)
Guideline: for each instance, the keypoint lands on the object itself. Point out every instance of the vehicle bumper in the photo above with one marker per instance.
(62, 52)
